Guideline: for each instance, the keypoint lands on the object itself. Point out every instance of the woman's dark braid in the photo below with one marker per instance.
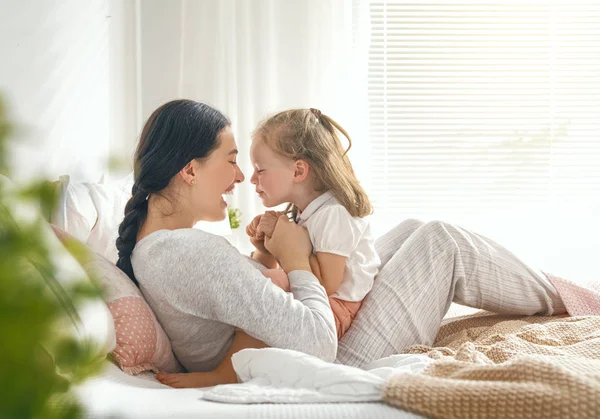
(135, 214)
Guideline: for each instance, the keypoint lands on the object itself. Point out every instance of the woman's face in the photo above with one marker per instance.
(216, 175)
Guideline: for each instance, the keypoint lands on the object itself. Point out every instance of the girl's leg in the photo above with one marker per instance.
(440, 263)
(223, 374)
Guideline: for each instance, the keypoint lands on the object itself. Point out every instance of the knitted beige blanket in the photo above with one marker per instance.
(494, 366)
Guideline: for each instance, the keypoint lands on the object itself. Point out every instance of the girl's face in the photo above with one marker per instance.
(273, 174)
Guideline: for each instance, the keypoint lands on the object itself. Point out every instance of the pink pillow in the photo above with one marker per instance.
(579, 298)
(141, 342)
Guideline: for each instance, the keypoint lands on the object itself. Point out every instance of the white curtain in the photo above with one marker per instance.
(253, 58)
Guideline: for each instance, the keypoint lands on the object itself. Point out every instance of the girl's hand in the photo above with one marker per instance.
(267, 223)
(251, 229)
(257, 239)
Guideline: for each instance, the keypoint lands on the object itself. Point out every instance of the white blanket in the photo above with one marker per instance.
(274, 375)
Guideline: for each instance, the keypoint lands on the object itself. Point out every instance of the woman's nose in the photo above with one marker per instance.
(239, 175)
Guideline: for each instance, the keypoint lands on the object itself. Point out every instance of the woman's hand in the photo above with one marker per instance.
(290, 244)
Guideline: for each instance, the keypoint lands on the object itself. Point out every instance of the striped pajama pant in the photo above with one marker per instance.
(427, 266)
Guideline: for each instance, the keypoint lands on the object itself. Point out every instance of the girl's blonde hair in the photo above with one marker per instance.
(309, 135)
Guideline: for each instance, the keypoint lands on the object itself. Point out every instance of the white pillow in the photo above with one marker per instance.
(92, 213)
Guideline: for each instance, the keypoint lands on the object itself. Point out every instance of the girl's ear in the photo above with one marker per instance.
(301, 170)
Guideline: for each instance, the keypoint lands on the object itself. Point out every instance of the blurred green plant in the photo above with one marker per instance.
(40, 354)
(235, 217)
(119, 164)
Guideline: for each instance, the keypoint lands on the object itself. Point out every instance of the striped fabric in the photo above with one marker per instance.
(427, 266)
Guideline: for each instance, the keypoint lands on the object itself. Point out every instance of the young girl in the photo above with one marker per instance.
(299, 159)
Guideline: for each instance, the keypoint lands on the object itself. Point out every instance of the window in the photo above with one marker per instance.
(488, 115)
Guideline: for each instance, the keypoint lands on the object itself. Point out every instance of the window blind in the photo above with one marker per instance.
(486, 114)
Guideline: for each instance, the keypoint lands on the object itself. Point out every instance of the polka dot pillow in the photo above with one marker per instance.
(136, 333)
(141, 342)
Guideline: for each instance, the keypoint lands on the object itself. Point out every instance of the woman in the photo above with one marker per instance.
(198, 285)
(202, 289)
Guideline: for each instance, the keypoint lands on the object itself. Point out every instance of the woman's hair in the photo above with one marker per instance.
(174, 135)
(308, 134)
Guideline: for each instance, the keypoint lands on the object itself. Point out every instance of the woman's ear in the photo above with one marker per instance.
(301, 171)
(189, 172)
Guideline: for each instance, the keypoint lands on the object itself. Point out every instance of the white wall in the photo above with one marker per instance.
(59, 59)
(125, 110)
(160, 47)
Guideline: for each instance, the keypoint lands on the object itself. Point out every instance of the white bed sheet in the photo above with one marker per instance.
(115, 394)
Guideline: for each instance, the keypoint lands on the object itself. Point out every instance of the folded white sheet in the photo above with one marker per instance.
(274, 375)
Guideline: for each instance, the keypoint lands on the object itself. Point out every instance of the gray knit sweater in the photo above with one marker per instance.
(201, 288)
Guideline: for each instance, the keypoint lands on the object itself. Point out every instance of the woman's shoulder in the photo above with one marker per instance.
(163, 244)
(170, 261)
